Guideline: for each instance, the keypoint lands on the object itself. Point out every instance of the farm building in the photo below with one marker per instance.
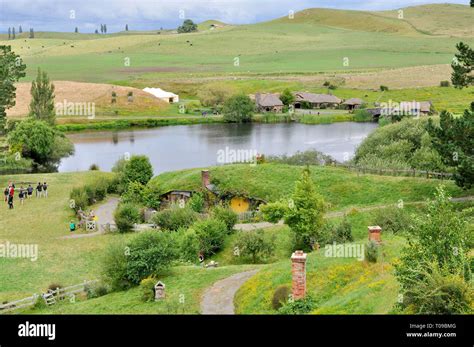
(268, 103)
(421, 108)
(163, 95)
(316, 100)
(353, 103)
(174, 197)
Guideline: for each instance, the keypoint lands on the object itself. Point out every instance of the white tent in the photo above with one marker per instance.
(162, 94)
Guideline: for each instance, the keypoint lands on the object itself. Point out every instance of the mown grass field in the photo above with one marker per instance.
(341, 188)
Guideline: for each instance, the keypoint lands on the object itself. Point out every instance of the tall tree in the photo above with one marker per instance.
(305, 215)
(102, 28)
(126, 27)
(20, 30)
(105, 28)
(11, 70)
(32, 33)
(187, 27)
(76, 30)
(463, 66)
(9, 33)
(13, 33)
(42, 99)
(454, 141)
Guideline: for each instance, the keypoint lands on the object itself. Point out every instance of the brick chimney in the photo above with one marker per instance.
(298, 272)
(205, 178)
(375, 234)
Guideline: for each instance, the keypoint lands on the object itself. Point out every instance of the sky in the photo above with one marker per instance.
(87, 15)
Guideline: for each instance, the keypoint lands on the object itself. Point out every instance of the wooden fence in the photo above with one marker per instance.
(50, 298)
(398, 172)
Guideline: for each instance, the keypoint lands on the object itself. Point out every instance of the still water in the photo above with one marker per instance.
(181, 147)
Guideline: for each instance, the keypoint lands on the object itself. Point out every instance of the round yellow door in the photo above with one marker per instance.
(239, 205)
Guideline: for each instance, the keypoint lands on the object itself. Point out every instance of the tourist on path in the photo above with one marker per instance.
(21, 195)
(39, 189)
(11, 194)
(45, 190)
(30, 191)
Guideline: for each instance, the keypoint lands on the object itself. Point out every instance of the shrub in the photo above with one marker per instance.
(275, 211)
(362, 115)
(384, 88)
(254, 245)
(444, 84)
(210, 234)
(393, 219)
(134, 193)
(115, 266)
(372, 251)
(309, 157)
(225, 215)
(189, 245)
(94, 167)
(280, 297)
(302, 306)
(196, 203)
(89, 194)
(96, 290)
(238, 109)
(343, 232)
(147, 286)
(175, 218)
(138, 169)
(126, 216)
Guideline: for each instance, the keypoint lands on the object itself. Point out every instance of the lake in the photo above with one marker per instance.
(191, 146)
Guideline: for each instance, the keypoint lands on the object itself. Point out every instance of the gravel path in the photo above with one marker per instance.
(219, 299)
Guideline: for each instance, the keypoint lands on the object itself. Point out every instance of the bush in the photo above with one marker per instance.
(302, 306)
(148, 254)
(343, 232)
(383, 88)
(83, 197)
(189, 245)
(393, 219)
(175, 218)
(372, 251)
(362, 115)
(254, 245)
(94, 167)
(210, 234)
(138, 169)
(196, 203)
(126, 216)
(309, 157)
(275, 211)
(444, 84)
(225, 215)
(96, 290)
(147, 286)
(280, 297)
(238, 109)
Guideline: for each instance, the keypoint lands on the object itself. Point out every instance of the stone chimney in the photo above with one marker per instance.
(205, 178)
(298, 272)
(374, 234)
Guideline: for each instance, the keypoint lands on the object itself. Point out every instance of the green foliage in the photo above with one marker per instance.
(149, 253)
(393, 219)
(280, 297)
(343, 232)
(83, 197)
(197, 203)
(126, 216)
(226, 215)
(454, 140)
(308, 157)
(189, 245)
(362, 115)
(138, 169)
(305, 213)
(462, 66)
(444, 84)
(12, 69)
(96, 290)
(402, 145)
(287, 98)
(147, 286)
(238, 109)
(215, 95)
(372, 251)
(273, 212)
(302, 306)
(210, 234)
(175, 218)
(144, 195)
(188, 27)
(383, 88)
(40, 142)
(42, 99)
(437, 240)
(254, 245)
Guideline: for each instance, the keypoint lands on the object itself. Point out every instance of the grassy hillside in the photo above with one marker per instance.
(340, 187)
(316, 40)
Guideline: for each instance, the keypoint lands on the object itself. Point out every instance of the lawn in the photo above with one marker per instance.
(340, 187)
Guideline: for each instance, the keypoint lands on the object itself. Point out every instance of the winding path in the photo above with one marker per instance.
(104, 213)
(219, 299)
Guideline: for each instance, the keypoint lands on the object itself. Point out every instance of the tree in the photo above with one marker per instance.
(215, 95)
(11, 70)
(463, 66)
(238, 109)
(20, 30)
(436, 248)
(37, 140)
(126, 27)
(137, 169)
(305, 213)
(9, 33)
(76, 30)
(454, 141)
(42, 99)
(102, 28)
(254, 245)
(287, 98)
(472, 3)
(96, 31)
(13, 33)
(187, 27)
(105, 28)
(32, 33)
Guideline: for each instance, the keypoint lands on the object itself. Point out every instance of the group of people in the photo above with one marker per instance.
(24, 193)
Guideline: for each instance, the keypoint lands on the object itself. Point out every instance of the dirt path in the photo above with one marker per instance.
(219, 299)
(105, 214)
